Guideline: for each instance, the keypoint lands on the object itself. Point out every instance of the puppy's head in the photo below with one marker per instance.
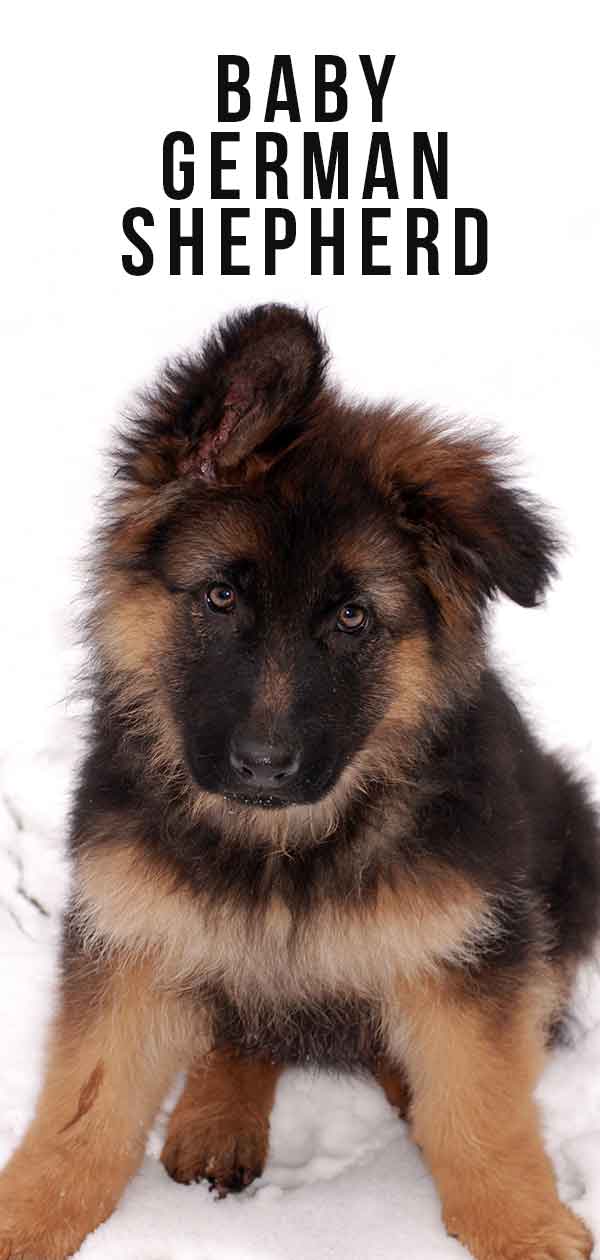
(292, 588)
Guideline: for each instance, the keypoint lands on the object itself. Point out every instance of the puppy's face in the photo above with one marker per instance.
(288, 619)
(290, 585)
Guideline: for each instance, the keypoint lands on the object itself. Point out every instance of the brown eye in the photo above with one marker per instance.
(351, 617)
(221, 598)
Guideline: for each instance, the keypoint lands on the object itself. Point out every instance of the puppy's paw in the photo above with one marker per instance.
(228, 1150)
(559, 1235)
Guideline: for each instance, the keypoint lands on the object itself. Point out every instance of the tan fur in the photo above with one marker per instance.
(111, 1059)
(472, 1066)
(413, 684)
(366, 554)
(220, 1126)
(125, 901)
(274, 689)
(190, 555)
(132, 628)
(138, 509)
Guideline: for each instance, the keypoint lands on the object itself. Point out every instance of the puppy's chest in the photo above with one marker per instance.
(270, 955)
(349, 951)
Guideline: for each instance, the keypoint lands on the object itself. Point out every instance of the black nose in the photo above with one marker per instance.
(261, 764)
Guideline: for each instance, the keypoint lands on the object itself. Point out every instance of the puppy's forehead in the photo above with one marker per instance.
(204, 536)
(305, 541)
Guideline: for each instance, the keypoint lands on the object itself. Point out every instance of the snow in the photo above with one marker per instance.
(90, 98)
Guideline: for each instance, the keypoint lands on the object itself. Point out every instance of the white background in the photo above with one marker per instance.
(90, 93)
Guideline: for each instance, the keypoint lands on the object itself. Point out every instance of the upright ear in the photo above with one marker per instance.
(241, 396)
(476, 532)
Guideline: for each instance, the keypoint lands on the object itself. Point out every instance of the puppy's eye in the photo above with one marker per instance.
(221, 598)
(351, 617)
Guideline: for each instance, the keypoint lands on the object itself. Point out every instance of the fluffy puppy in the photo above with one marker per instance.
(311, 824)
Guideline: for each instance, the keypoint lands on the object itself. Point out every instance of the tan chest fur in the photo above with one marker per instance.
(125, 903)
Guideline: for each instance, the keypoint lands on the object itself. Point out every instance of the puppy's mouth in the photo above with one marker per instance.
(307, 791)
(258, 801)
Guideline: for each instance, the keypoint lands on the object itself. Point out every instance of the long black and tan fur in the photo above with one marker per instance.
(311, 823)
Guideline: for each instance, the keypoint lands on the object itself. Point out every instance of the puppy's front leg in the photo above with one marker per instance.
(472, 1066)
(116, 1043)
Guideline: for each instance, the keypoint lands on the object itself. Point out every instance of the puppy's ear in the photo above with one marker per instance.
(235, 404)
(476, 532)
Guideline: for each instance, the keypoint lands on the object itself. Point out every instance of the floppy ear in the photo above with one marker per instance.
(241, 396)
(477, 533)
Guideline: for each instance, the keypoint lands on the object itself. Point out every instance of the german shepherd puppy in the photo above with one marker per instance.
(311, 824)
